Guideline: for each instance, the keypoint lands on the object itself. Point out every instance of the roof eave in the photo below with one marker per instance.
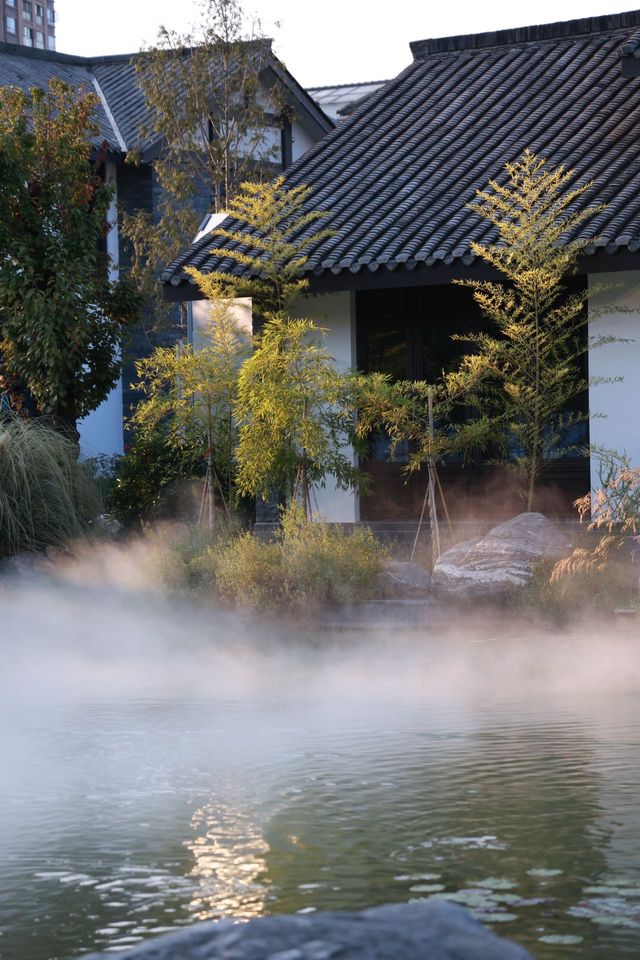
(602, 260)
(320, 123)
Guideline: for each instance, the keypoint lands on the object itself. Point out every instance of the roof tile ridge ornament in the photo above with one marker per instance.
(630, 20)
(632, 47)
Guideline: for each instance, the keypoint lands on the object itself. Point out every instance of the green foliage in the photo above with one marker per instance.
(191, 391)
(249, 573)
(590, 591)
(306, 566)
(525, 379)
(179, 559)
(422, 414)
(205, 93)
(60, 314)
(46, 496)
(147, 472)
(296, 413)
(268, 245)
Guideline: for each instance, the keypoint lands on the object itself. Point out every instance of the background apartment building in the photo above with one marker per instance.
(31, 23)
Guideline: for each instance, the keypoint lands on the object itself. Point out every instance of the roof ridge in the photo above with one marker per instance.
(421, 49)
(266, 42)
(110, 117)
(34, 53)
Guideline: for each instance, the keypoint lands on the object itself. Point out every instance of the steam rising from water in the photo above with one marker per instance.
(101, 625)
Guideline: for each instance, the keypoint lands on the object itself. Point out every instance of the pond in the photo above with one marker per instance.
(162, 767)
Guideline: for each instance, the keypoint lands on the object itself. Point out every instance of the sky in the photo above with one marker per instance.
(323, 42)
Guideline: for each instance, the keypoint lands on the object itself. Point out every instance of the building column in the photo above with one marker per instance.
(614, 423)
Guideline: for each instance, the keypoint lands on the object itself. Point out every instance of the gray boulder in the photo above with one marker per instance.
(432, 929)
(501, 562)
(404, 580)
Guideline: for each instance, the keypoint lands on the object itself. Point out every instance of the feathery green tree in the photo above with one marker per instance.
(61, 314)
(297, 415)
(296, 410)
(268, 245)
(190, 391)
(526, 378)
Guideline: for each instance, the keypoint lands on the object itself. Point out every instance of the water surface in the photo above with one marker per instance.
(138, 800)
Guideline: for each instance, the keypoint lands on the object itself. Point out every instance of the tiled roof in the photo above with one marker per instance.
(397, 176)
(632, 47)
(33, 68)
(122, 113)
(118, 82)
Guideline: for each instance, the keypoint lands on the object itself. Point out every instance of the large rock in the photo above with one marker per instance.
(503, 561)
(428, 930)
(404, 580)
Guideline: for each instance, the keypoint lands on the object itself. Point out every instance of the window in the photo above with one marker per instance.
(51, 43)
(10, 3)
(39, 14)
(11, 24)
(26, 9)
(51, 15)
(27, 36)
(40, 40)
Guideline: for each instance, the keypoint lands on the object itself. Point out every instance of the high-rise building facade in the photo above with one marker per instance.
(31, 23)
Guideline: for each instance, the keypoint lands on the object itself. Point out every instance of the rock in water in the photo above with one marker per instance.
(432, 929)
(404, 580)
(503, 561)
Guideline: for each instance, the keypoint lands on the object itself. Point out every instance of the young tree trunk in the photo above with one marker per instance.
(533, 467)
(537, 426)
(211, 506)
(304, 491)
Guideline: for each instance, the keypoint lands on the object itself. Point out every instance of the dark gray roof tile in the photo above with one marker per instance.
(125, 121)
(398, 175)
(28, 69)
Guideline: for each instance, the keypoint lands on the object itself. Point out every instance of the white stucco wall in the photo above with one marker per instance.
(618, 427)
(101, 432)
(199, 317)
(335, 312)
(301, 140)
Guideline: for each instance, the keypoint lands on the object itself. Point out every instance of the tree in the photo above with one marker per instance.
(296, 410)
(530, 371)
(296, 414)
(424, 416)
(267, 246)
(214, 120)
(191, 392)
(61, 315)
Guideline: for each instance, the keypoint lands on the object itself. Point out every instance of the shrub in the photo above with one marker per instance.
(178, 558)
(589, 592)
(147, 472)
(46, 496)
(181, 557)
(601, 575)
(305, 566)
(249, 572)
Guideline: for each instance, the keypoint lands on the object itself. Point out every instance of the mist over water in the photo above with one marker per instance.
(165, 762)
